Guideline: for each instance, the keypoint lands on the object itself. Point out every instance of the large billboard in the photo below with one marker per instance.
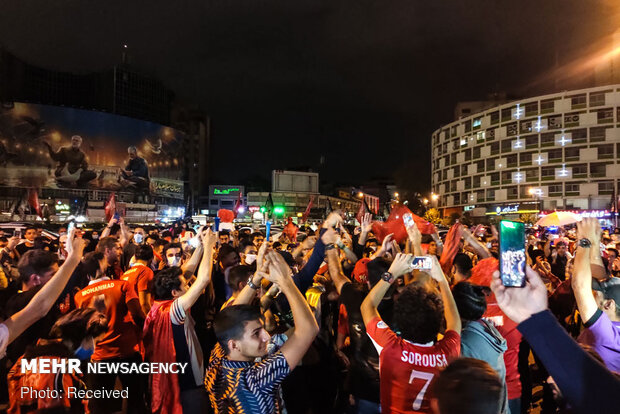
(43, 146)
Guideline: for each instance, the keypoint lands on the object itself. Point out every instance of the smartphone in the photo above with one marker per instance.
(117, 216)
(421, 263)
(216, 224)
(17, 233)
(408, 220)
(267, 230)
(512, 253)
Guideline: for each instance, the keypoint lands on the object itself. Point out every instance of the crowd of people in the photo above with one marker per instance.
(336, 321)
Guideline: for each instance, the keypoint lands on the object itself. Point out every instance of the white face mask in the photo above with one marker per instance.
(250, 258)
(174, 261)
(138, 237)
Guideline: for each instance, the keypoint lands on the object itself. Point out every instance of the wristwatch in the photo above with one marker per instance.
(388, 277)
(330, 246)
(585, 243)
(251, 284)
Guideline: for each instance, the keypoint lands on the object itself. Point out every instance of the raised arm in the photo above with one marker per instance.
(587, 385)
(582, 273)
(400, 266)
(415, 237)
(43, 301)
(189, 267)
(478, 247)
(335, 271)
(438, 242)
(306, 328)
(249, 290)
(366, 227)
(453, 320)
(108, 228)
(204, 272)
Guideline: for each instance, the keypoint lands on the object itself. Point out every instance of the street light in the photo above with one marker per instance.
(425, 201)
(360, 194)
(434, 196)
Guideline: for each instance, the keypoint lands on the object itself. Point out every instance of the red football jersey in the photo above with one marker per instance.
(140, 277)
(122, 337)
(407, 369)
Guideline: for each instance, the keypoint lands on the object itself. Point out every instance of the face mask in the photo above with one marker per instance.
(250, 258)
(138, 238)
(374, 248)
(174, 261)
(95, 236)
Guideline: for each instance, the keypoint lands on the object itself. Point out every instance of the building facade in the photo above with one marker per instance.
(558, 151)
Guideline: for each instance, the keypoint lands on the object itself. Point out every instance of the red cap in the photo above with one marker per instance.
(360, 271)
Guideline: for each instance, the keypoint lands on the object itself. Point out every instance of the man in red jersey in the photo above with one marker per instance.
(409, 361)
(119, 302)
(140, 276)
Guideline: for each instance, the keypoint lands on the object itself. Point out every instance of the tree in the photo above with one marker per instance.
(529, 218)
(432, 216)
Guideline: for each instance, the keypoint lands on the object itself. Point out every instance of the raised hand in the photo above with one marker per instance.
(333, 220)
(330, 236)
(589, 228)
(521, 303)
(209, 240)
(74, 245)
(436, 271)
(401, 265)
(366, 223)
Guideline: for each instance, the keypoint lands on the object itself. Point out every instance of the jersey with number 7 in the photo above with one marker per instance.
(406, 369)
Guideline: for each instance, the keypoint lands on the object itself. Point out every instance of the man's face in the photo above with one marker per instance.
(606, 305)
(612, 256)
(30, 234)
(224, 238)
(113, 254)
(432, 248)
(46, 276)
(173, 256)
(231, 259)
(76, 142)
(132, 153)
(562, 249)
(250, 253)
(258, 240)
(372, 244)
(182, 289)
(253, 343)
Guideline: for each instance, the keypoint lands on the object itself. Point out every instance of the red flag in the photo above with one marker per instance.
(33, 201)
(237, 204)
(110, 207)
(307, 212)
(451, 247)
(396, 226)
(360, 212)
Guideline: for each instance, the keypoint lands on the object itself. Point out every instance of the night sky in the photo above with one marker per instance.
(360, 83)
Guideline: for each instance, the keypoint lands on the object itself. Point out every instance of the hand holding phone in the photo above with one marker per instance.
(512, 253)
(17, 233)
(422, 263)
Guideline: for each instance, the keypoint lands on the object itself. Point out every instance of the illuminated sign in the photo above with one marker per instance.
(510, 210)
(469, 208)
(582, 213)
(225, 191)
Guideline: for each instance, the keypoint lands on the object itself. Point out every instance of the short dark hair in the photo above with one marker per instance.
(418, 314)
(611, 249)
(470, 300)
(144, 252)
(376, 268)
(30, 228)
(238, 274)
(255, 235)
(468, 386)
(463, 264)
(230, 323)
(108, 242)
(225, 250)
(169, 246)
(224, 233)
(372, 240)
(74, 326)
(160, 242)
(152, 236)
(165, 281)
(35, 262)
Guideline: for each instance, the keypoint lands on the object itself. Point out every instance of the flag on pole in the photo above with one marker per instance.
(269, 205)
(238, 204)
(33, 200)
(110, 207)
(360, 212)
(328, 207)
(308, 209)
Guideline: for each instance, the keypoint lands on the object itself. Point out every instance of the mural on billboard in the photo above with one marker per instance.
(45, 146)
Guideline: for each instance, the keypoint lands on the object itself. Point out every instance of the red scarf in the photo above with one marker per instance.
(159, 344)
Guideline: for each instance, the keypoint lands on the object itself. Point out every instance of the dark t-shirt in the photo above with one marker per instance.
(364, 370)
(23, 248)
(559, 267)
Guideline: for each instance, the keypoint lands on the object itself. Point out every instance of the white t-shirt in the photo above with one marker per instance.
(179, 317)
(4, 339)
